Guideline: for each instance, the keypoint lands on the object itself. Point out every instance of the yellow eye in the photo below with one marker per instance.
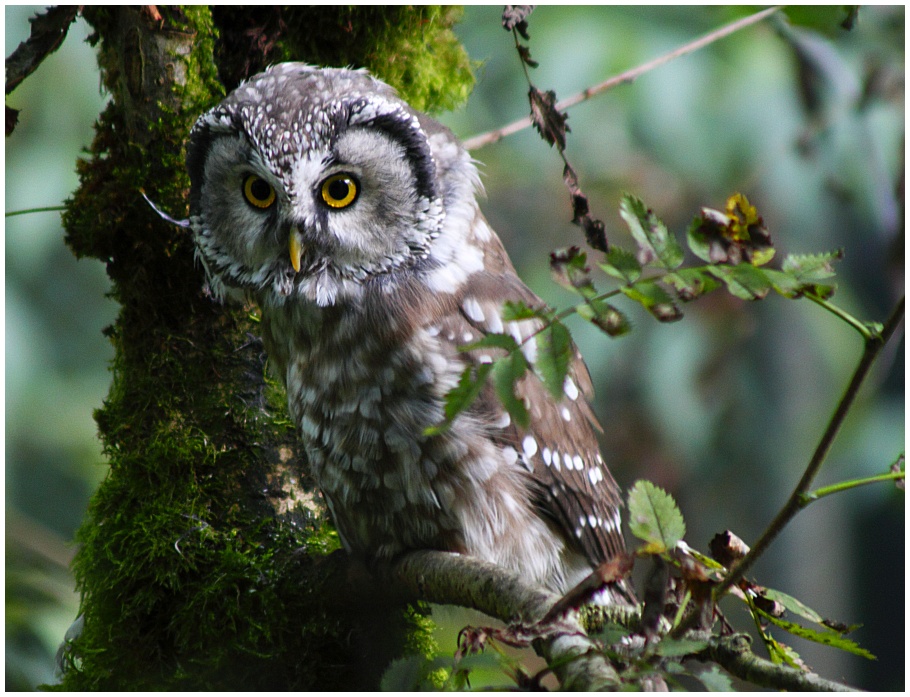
(258, 192)
(340, 190)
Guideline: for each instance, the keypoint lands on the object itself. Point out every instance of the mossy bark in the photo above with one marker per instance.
(204, 559)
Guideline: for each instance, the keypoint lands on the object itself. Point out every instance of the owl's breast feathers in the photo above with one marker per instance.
(365, 379)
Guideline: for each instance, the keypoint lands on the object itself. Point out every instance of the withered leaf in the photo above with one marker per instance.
(525, 54)
(579, 200)
(516, 17)
(549, 122)
(727, 548)
(732, 237)
(595, 233)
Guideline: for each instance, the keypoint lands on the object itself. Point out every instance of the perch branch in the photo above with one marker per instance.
(447, 578)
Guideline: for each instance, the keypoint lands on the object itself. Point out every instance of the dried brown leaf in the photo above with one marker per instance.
(547, 119)
(516, 17)
(726, 548)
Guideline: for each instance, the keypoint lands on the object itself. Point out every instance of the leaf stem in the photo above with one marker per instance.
(859, 326)
(806, 499)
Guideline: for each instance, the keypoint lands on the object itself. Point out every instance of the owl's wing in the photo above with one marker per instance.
(559, 449)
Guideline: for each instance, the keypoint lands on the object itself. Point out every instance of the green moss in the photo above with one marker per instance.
(411, 48)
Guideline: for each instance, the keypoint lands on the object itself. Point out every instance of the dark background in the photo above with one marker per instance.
(723, 409)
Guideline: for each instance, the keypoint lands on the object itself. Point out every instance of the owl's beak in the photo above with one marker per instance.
(295, 247)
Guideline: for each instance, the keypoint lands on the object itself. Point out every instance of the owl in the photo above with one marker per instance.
(352, 220)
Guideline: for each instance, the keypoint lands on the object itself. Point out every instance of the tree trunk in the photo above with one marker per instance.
(205, 554)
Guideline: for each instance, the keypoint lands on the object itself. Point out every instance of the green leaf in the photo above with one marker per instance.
(825, 292)
(794, 605)
(506, 373)
(811, 267)
(516, 310)
(791, 287)
(691, 283)
(654, 517)
(781, 653)
(715, 680)
(655, 300)
(554, 353)
(459, 398)
(697, 236)
(785, 284)
(829, 638)
(604, 316)
(650, 233)
(622, 264)
(744, 280)
(500, 341)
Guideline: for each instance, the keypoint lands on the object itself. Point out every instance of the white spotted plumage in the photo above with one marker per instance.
(365, 306)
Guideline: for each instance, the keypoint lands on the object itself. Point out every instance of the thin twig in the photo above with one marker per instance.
(794, 504)
(842, 314)
(735, 655)
(45, 209)
(479, 141)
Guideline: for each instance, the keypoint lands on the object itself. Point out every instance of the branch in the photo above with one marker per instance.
(454, 579)
(479, 141)
(796, 501)
(48, 32)
(734, 654)
(576, 660)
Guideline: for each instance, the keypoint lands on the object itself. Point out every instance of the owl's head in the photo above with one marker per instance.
(316, 182)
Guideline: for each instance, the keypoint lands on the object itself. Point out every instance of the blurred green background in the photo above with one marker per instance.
(723, 409)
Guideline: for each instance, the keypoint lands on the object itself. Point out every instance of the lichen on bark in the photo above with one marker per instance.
(205, 556)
